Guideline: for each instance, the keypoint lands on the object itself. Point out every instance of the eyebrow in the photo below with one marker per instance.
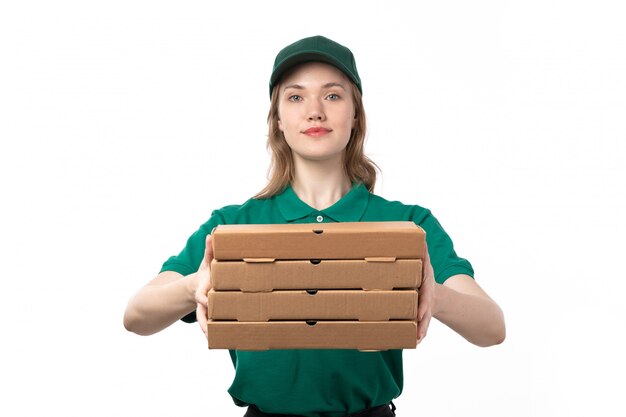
(327, 85)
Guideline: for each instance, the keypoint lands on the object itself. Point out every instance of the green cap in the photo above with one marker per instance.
(315, 49)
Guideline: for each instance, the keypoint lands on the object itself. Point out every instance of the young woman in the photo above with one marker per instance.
(319, 173)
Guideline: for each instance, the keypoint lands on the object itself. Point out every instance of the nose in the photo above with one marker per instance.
(316, 111)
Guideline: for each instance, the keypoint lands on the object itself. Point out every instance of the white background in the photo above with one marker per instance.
(124, 123)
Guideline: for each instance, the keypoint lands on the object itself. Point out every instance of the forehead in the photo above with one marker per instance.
(314, 72)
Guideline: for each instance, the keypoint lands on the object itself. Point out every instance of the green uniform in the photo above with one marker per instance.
(320, 382)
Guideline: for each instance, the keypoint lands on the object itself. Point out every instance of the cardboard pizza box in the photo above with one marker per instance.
(348, 240)
(313, 305)
(385, 335)
(362, 274)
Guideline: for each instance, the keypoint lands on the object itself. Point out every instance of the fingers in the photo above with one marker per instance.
(208, 251)
(204, 274)
(202, 311)
(204, 285)
(423, 306)
(426, 289)
(424, 311)
(422, 327)
(202, 317)
(425, 297)
(201, 296)
(427, 266)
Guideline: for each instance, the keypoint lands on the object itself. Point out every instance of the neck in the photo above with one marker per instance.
(320, 184)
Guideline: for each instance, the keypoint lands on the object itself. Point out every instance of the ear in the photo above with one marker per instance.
(280, 125)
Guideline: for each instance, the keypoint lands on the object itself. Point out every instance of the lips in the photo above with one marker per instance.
(316, 131)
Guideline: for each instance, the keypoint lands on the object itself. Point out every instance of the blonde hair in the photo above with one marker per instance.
(359, 168)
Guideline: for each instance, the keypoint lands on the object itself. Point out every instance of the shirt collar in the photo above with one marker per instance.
(349, 208)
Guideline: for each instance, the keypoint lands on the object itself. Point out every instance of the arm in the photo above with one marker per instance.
(463, 306)
(169, 297)
(160, 303)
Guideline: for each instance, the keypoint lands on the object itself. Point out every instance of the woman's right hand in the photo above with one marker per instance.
(203, 277)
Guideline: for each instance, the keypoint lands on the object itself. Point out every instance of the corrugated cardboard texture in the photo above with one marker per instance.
(321, 335)
(325, 274)
(315, 305)
(349, 240)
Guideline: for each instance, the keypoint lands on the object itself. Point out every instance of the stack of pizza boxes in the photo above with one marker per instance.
(315, 286)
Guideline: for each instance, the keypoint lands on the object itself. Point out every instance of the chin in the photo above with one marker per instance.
(320, 152)
(320, 156)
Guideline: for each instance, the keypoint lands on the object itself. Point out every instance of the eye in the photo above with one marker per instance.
(295, 98)
(333, 97)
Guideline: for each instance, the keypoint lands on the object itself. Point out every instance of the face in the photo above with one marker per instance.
(316, 112)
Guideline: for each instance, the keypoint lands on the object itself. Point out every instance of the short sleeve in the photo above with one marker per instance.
(443, 258)
(189, 259)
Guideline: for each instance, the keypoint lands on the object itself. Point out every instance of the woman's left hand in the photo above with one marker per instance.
(425, 297)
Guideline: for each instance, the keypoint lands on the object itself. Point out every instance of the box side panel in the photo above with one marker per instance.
(325, 274)
(319, 305)
(321, 335)
(320, 241)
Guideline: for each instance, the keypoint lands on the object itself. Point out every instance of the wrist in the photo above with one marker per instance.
(191, 284)
(438, 295)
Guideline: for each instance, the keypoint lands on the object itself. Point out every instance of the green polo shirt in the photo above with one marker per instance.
(320, 382)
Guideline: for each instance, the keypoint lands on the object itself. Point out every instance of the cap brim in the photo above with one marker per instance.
(307, 56)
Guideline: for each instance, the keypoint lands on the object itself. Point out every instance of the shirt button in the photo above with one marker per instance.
(319, 219)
